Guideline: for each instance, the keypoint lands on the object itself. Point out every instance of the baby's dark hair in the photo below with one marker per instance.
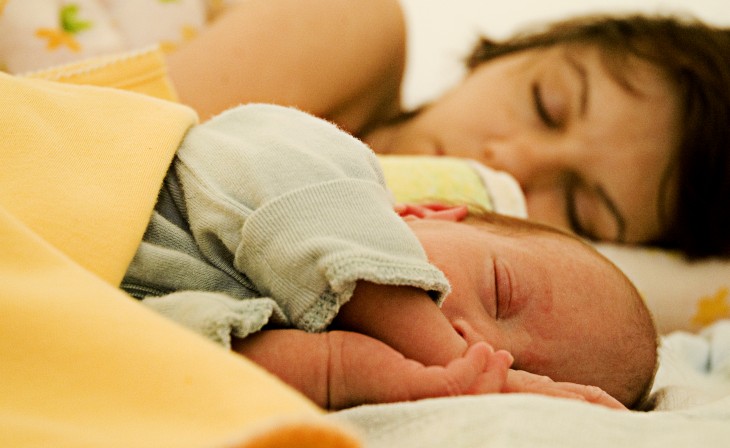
(695, 58)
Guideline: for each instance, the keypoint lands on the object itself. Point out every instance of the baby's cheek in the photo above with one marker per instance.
(543, 342)
(533, 361)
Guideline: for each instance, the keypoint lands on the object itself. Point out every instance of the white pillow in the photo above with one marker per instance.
(682, 295)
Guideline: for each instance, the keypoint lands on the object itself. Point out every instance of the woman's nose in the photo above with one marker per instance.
(528, 164)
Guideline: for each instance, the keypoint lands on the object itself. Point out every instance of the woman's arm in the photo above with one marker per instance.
(342, 60)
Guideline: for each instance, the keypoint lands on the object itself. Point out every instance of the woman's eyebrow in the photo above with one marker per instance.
(584, 88)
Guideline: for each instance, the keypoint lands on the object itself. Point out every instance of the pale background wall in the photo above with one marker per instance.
(442, 31)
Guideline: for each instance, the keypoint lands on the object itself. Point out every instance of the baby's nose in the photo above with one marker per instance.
(466, 331)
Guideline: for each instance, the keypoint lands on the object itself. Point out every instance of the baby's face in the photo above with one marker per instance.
(554, 303)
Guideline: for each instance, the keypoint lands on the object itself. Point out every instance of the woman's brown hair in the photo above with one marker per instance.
(695, 58)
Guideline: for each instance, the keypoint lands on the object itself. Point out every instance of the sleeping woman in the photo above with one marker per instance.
(614, 126)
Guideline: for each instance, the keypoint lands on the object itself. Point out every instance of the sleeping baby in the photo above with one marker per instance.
(274, 234)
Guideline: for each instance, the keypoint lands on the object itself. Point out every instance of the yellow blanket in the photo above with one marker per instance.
(82, 364)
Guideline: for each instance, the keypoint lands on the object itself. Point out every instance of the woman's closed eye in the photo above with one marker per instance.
(541, 108)
(571, 209)
(591, 213)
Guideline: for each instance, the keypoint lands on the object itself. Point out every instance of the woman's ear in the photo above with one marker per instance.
(443, 212)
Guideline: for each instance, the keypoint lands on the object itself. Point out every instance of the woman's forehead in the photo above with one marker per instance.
(628, 68)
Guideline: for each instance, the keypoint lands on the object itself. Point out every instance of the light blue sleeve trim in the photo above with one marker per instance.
(217, 316)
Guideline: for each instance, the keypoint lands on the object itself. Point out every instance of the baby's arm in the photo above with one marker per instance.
(298, 207)
(340, 369)
(405, 318)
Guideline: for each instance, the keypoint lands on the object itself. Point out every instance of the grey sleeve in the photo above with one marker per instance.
(300, 208)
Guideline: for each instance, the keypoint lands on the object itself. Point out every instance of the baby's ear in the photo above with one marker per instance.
(443, 212)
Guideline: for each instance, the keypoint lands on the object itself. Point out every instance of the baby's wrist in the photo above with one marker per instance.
(296, 357)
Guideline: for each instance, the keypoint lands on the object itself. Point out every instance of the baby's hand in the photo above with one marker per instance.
(525, 382)
(365, 370)
(454, 213)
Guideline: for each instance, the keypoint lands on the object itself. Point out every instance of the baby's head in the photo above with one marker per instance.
(556, 304)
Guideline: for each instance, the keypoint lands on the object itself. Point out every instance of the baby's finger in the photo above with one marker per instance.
(432, 211)
(593, 394)
(495, 374)
(520, 381)
(457, 378)
(410, 210)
